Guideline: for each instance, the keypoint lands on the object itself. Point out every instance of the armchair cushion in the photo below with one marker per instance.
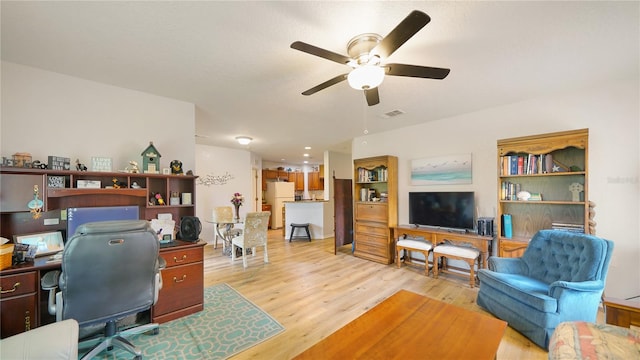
(560, 277)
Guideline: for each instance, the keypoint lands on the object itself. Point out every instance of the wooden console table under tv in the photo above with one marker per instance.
(411, 326)
(23, 304)
(437, 236)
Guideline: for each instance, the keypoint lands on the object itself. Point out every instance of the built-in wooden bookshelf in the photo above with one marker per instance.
(542, 184)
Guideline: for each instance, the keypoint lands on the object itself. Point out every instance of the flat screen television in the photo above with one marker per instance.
(452, 210)
(82, 215)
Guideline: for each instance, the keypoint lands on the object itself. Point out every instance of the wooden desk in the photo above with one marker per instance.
(437, 236)
(412, 326)
(23, 304)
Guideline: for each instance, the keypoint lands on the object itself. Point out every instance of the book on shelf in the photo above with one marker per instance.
(507, 226)
(579, 228)
(379, 174)
(526, 164)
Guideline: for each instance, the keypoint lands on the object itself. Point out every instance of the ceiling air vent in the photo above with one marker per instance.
(392, 113)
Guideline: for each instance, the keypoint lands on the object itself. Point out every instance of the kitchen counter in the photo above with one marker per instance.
(314, 212)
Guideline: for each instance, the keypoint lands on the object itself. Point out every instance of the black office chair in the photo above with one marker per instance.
(110, 271)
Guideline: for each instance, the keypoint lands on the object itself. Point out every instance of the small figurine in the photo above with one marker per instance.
(115, 183)
(176, 167)
(159, 199)
(79, 166)
(134, 169)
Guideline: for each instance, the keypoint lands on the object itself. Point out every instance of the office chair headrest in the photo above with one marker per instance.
(114, 226)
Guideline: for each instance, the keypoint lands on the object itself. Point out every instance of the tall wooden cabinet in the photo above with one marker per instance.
(542, 184)
(375, 207)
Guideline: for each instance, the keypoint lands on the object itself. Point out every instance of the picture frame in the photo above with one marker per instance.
(55, 181)
(101, 164)
(45, 243)
(441, 170)
(166, 171)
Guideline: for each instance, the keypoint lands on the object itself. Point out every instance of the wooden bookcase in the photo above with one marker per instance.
(551, 179)
(374, 219)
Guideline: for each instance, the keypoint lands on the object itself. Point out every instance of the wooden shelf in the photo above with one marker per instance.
(57, 193)
(543, 202)
(566, 173)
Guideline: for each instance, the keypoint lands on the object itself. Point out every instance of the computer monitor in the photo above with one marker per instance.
(83, 215)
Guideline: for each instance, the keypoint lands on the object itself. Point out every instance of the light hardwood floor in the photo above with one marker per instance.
(313, 292)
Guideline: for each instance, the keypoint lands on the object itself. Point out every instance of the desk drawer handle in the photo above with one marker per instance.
(15, 287)
(176, 280)
(184, 257)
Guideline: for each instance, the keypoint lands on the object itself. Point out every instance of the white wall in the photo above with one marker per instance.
(218, 161)
(610, 111)
(46, 113)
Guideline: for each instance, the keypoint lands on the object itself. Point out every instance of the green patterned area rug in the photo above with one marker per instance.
(228, 325)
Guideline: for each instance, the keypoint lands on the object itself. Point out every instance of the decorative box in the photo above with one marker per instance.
(6, 254)
(22, 160)
(59, 163)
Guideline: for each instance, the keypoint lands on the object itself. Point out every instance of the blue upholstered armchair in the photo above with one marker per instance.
(560, 277)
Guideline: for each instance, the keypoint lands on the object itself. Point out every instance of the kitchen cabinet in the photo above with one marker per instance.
(299, 181)
(315, 182)
(267, 207)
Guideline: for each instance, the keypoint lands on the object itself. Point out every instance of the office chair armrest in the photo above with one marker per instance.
(50, 280)
(162, 263)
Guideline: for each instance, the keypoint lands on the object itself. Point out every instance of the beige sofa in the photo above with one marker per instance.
(53, 341)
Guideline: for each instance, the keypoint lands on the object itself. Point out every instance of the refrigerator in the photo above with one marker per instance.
(277, 193)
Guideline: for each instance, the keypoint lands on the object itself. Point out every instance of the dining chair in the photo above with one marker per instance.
(255, 234)
(223, 225)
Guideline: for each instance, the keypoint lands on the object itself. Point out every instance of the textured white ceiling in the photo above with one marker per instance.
(233, 60)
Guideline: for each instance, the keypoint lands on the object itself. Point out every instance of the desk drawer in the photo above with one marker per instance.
(182, 286)
(182, 256)
(18, 284)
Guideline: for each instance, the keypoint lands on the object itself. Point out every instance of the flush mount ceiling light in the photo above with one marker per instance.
(243, 140)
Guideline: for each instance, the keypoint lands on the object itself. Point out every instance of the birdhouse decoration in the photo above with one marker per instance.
(150, 159)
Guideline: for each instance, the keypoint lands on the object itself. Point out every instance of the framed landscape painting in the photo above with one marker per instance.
(441, 170)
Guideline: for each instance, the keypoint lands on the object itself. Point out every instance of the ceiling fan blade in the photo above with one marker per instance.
(326, 84)
(417, 71)
(403, 32)
(372, 96)
(314, 50)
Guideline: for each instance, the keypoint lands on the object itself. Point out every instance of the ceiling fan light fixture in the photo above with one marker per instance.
(243, 140)
(365, 77)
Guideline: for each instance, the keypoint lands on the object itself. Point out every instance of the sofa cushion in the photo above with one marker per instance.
(523, 289)
(460, 251)
(414, 244)
(583, 340)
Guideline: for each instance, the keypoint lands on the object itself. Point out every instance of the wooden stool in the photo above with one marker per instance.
(410, 245)
(295, 226)
(455, 252)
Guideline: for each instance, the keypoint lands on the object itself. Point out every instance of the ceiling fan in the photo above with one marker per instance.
(367, 53)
